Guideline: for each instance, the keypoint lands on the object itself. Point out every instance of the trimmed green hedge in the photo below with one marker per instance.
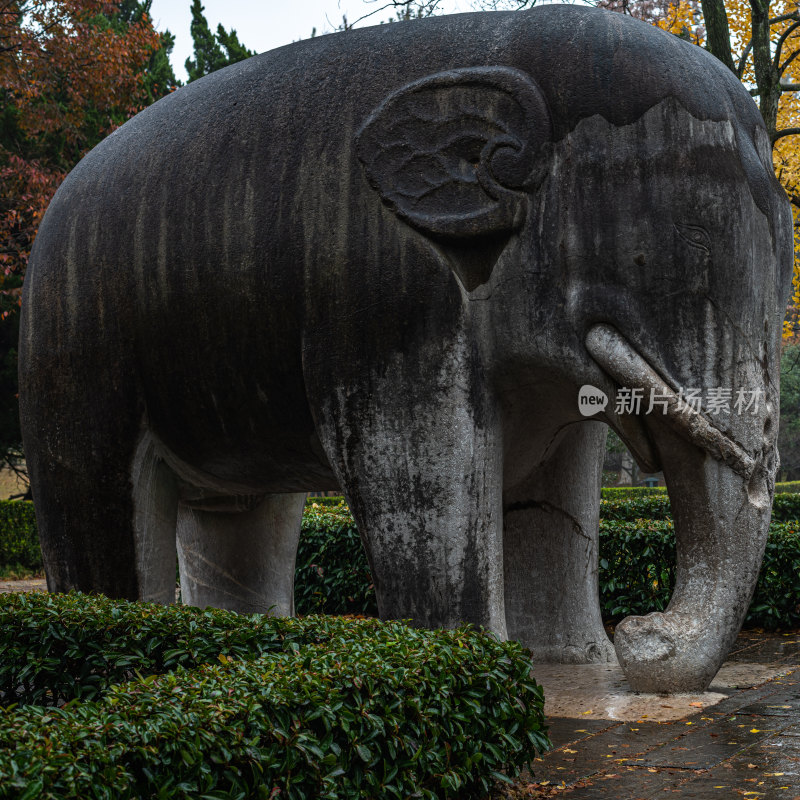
(611, 492)
(776, 601)
(637, 572)
(636, 568)
(637, 564)
(320, 707)
(785, 508)
(338, 500)
(629, 509)
(620, 492)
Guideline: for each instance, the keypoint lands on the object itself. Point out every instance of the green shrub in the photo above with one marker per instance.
(337, 709)
(325, 501)
(616, 492)
(776, 601)
(637, 572)
(629, 509)
(19, 543)
(637, 567)
(60, 647)
(786, 507)
(332, 574)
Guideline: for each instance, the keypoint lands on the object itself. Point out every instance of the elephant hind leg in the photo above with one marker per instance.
(550, 542)
(106, 512)
(155, 509)
(241, 560)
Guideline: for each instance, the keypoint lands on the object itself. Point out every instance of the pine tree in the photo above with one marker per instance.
(159, 77)
(208, 48)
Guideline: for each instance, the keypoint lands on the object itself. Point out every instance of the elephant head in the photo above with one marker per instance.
(618, 223)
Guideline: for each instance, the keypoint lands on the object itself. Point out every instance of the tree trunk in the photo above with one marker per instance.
(626, 470)
(767, 75)
(719, 35)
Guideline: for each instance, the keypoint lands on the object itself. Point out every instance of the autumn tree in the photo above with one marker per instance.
(159, 77)
(212, 51)
(70, 72)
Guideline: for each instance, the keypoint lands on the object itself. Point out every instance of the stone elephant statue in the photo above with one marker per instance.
(388, 260)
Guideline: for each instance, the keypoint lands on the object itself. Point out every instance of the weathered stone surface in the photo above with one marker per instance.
(388, 260)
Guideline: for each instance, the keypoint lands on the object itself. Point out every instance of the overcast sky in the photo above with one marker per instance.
(265, 24)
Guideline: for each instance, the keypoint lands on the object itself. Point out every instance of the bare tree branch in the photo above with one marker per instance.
(494, 5)
(781, 39)
(743, 59)
(785, 87)
(403, 8)
(785, 132)
(784, 17)
(789, 60)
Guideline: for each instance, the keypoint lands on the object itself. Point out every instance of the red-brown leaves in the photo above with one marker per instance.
(69, 74)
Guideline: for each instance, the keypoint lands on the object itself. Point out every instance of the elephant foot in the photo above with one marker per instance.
(596, 651)
(592, 649)
(661, 654)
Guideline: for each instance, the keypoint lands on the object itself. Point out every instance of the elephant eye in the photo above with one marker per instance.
(695, 236)
(465, 148)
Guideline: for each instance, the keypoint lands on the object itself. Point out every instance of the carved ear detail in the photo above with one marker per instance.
(450, 153)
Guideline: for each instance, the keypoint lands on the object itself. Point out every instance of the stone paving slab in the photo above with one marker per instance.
(35, 585)
(749, 697)
(782, 706)
(708, 746)
(603, 751)
(569, 731)
(600, 691)
(640, 783)
(748, 748)
(757, 647)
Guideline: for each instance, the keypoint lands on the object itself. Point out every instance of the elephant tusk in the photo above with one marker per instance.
(613, 353)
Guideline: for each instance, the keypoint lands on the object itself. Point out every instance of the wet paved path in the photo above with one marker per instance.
(745, 746)
(33, 585)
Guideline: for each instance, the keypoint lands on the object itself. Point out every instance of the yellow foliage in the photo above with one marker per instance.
(683, 19)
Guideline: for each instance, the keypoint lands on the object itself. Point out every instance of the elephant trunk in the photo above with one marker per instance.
(721, 503)
(721, 526)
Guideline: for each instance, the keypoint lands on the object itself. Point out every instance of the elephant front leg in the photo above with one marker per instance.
(420, 463)
(551, 552)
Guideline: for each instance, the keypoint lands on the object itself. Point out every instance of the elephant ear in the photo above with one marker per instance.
(451, 153)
